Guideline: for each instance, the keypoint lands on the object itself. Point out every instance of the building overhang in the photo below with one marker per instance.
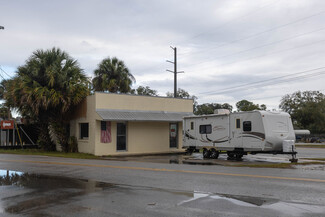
(129, 115)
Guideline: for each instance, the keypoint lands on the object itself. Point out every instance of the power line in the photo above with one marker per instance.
(5, 72)
(271, 97)
(278, 82)
(269, 54)
(261, 46)
(257, 34)
(270, 84)
(263, 81)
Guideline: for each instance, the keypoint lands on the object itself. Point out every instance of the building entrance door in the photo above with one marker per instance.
(173, 135)
(121, 137)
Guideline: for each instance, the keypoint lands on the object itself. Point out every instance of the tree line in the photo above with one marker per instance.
(48, 87)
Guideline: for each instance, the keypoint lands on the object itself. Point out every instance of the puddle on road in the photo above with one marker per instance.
(23, 193)
(311, 167)
(238, 202)
(42, 190)
(197, 159)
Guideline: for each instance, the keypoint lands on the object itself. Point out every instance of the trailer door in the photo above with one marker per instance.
(236, 131)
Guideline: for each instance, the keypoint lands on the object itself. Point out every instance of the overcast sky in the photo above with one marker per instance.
(230, 50)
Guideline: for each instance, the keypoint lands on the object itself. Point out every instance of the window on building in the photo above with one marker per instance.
(205, 129)
(247, 126)
(192, 125)
(84, 130)
(237, 123)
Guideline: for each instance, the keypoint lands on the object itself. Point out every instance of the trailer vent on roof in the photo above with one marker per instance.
(221, 111)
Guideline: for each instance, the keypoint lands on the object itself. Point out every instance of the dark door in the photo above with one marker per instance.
(121, 137)
(173, 135)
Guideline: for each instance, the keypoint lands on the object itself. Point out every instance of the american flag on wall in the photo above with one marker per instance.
(105, 132)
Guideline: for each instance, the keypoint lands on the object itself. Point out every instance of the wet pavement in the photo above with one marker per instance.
(24, 194)
(197, 159)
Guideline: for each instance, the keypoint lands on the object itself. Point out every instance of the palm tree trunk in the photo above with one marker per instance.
(44, 139)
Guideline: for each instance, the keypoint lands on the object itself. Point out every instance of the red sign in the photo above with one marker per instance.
(6, 125)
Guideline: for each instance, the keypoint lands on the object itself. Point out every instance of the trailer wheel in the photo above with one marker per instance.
(230, 154)
(239, 157)
(206, 153)
(214, 154)
(190, 150)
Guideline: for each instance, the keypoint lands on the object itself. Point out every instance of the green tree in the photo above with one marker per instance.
(147, 91)
(307, 110)
(181, 93)
(4, 111)
(45, 90)
(208, 108)
(245, 105)
(2, 88)
(113, 76)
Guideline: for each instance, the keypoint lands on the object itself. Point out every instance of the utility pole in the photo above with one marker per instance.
(175, 70)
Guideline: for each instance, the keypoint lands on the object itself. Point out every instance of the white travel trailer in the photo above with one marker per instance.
(238, 134)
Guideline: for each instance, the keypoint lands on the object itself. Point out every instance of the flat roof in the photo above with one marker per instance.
(131, 115)
(136, 95)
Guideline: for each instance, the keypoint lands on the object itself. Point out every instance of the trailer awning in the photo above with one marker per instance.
(127, 115)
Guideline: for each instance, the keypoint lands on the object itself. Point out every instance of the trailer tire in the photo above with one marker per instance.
(239, 157)
(230, 154)
(214, 154)
(206, 153)
(190, 150)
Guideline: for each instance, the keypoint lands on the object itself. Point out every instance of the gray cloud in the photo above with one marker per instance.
(220, 43)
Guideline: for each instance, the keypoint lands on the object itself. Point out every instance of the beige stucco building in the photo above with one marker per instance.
(120, 124)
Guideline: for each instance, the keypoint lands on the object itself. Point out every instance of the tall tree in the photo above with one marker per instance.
(307, 110)
(208, 108)
(113, 76)
(147, 91)
(45, 89)
(181, 93)
(245, 105)
(2, 88)
(4, 111)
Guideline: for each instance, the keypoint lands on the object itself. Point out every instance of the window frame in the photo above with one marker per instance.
(246, 127)
(237, 123)
(205, 129)
(82, 131)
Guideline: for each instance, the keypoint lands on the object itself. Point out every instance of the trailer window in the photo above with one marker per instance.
(247, 126)
(205, 129)
(192, 125)
(237, 123)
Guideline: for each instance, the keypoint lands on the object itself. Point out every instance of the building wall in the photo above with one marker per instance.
(142, 103)
(142, 137)
(87, 115)
(105, 148)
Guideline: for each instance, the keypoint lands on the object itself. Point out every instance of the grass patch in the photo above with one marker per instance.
(310, 146)
(49, 153)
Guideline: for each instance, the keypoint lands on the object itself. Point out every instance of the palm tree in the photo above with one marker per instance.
(46, 88)
(113, 76)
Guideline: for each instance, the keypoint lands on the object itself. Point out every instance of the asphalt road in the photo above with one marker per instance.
(51, 186)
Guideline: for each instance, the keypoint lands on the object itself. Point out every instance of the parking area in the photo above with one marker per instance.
(304, 155)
